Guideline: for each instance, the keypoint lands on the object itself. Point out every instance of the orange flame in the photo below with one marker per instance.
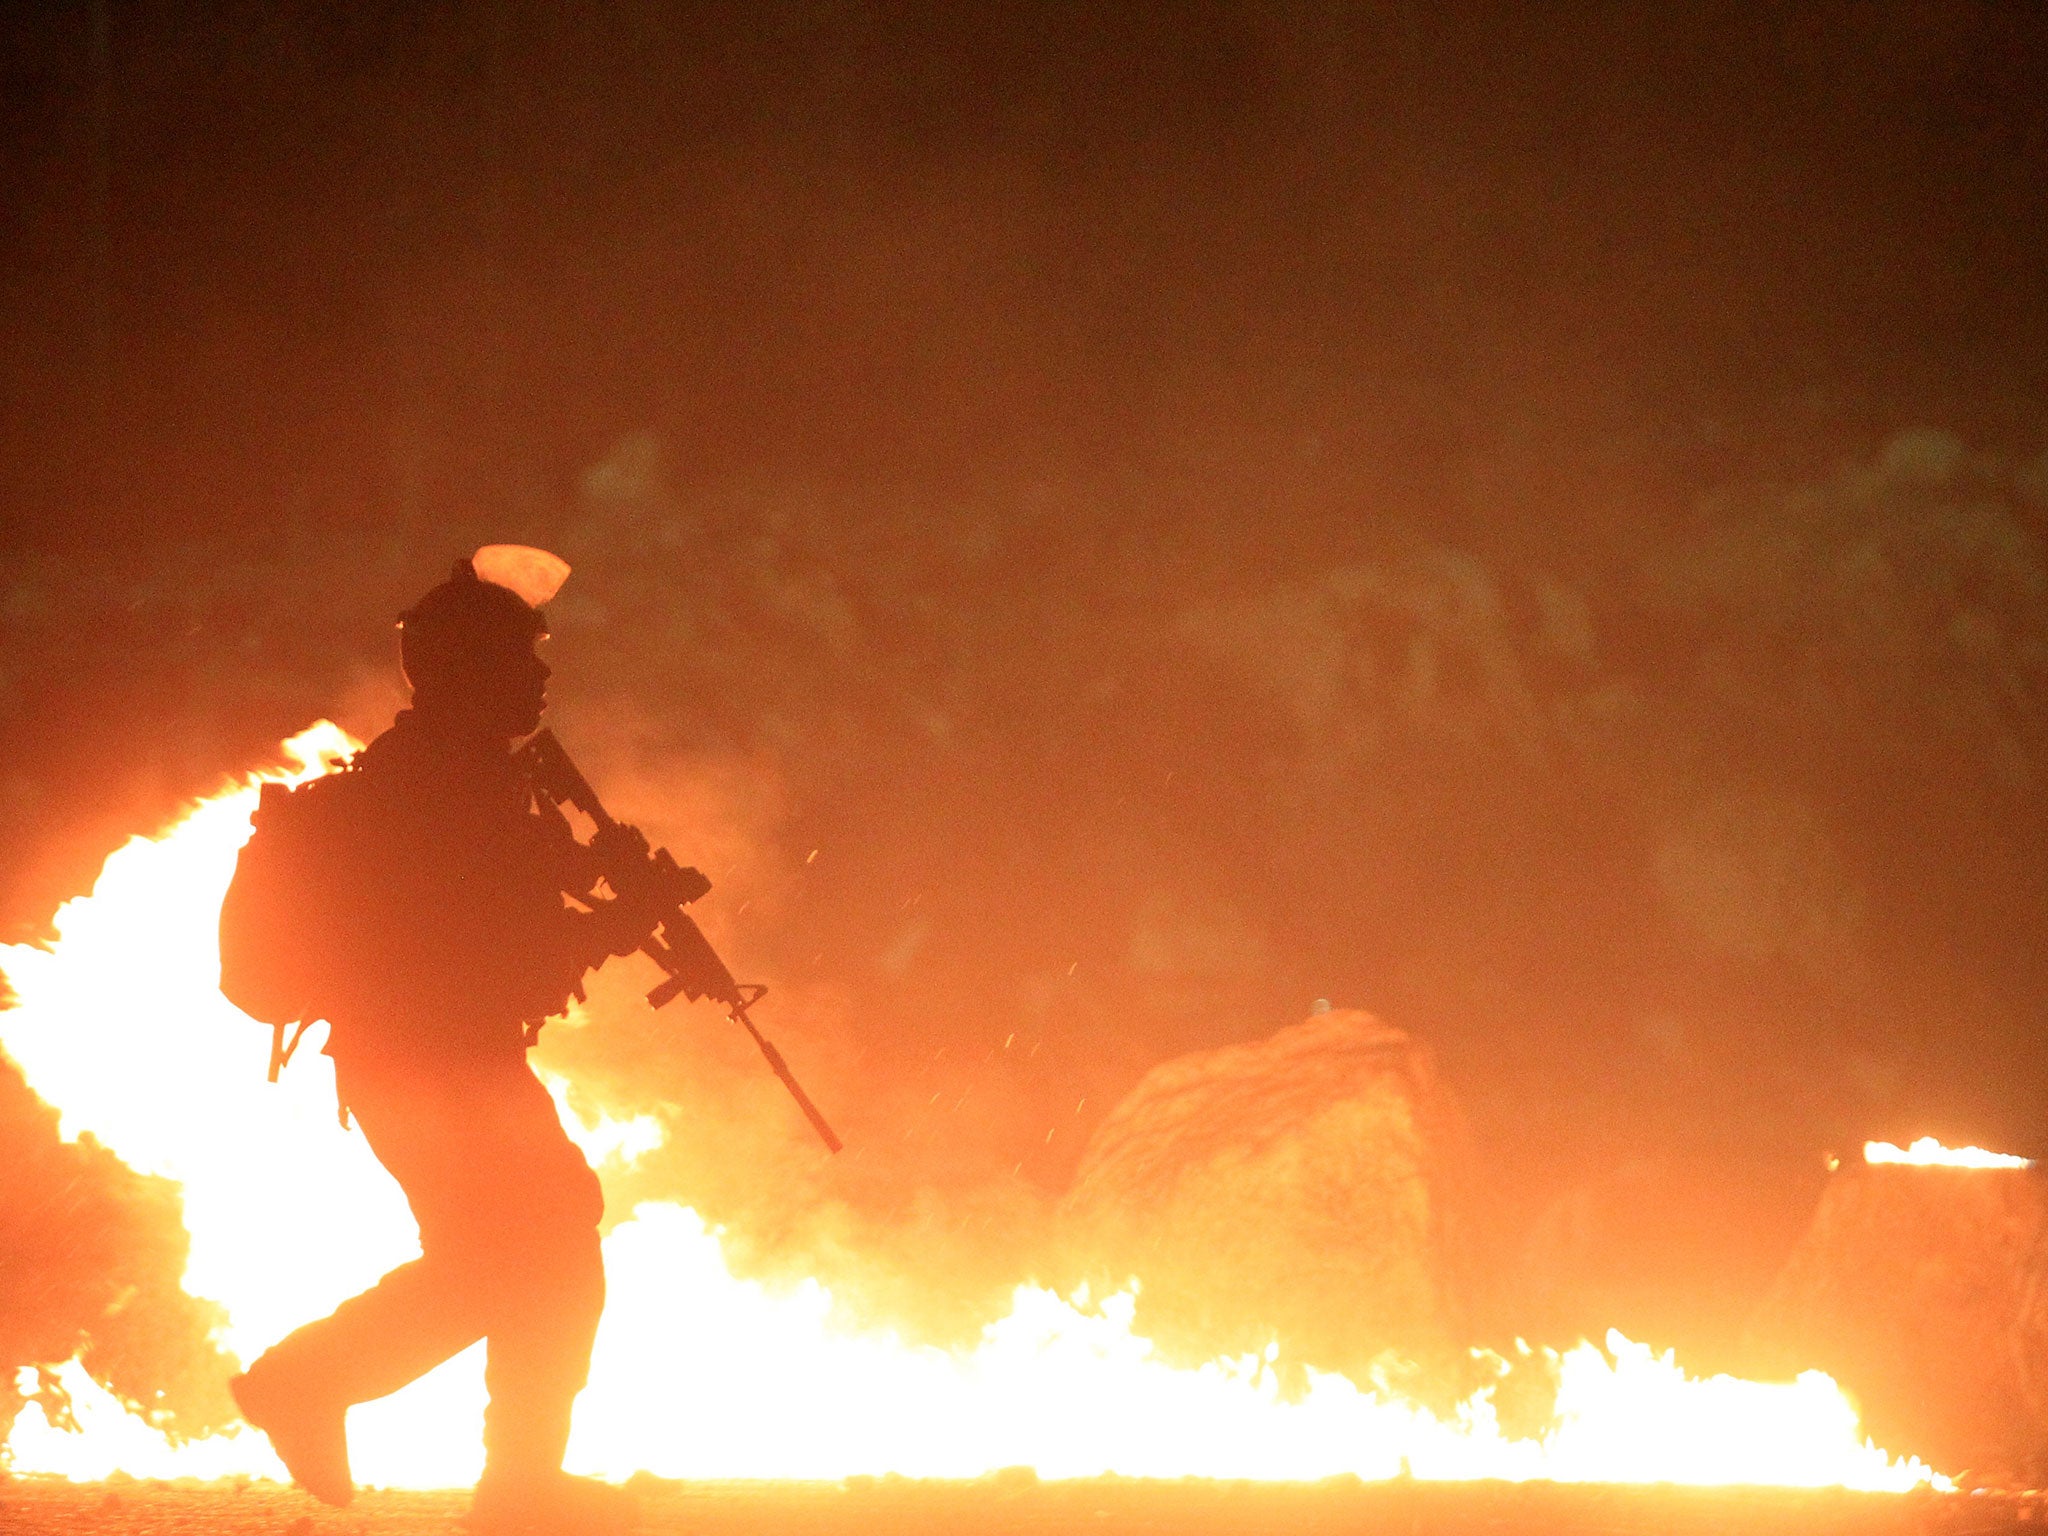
(698, 1373)
(1929, 1153)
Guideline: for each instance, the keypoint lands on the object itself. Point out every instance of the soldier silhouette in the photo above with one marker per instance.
(415, 902)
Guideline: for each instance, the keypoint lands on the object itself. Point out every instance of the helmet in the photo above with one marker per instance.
(464, 621)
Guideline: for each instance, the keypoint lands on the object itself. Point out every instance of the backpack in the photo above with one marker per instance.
(277, 919)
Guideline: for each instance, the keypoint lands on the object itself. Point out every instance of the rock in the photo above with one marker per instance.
(1921, 1290)
(1293, 1189)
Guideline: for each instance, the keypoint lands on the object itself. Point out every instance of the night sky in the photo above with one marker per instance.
(1529, 521)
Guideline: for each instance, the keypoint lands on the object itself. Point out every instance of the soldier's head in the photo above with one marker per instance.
(467, 648)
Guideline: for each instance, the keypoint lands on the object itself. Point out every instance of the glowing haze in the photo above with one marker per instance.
(119, 1024)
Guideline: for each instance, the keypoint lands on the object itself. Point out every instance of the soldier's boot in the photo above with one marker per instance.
(548, 1504)
(309, 1434)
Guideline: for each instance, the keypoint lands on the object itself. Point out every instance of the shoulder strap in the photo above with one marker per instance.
(280, 1049)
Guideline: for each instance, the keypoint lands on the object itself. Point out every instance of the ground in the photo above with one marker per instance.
(1018, 1503)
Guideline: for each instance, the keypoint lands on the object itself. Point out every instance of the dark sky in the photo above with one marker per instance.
(1524, 519)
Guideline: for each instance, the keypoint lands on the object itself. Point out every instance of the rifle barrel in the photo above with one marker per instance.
(781, 1069)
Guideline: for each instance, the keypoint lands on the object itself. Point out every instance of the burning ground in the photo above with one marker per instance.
(1299, 1193)
(1015, 1504)
(903, 1259)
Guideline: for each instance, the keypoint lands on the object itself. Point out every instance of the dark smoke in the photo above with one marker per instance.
(1526, 523)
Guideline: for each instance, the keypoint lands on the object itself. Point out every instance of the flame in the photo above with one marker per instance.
(1929, 1153)
(698, 1373)
(602, 1139)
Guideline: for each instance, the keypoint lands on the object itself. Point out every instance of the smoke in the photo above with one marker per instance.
(1098, 530)
(1664, 851)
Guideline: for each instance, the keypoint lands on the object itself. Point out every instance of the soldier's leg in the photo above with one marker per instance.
(417, 1316)
(544, 1314)
(539, 1359)
(413, 1319)
(425, 1311)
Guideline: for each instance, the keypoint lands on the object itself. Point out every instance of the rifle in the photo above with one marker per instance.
(679, 946)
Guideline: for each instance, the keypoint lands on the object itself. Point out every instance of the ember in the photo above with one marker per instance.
(1061, 1384)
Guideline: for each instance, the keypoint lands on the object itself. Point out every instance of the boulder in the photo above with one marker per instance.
(1297, 1189)
(1921, 1290)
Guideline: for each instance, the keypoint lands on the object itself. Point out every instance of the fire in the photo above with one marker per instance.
(1929, 1153)
(699, 1373)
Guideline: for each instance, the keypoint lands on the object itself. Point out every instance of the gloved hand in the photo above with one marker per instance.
(621, 925)
(634, 869)
(620, 846)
